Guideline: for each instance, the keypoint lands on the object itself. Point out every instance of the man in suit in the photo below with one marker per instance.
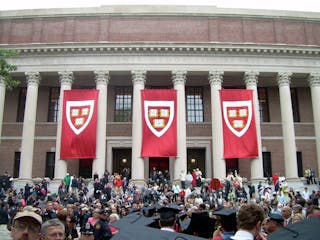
(286, 213)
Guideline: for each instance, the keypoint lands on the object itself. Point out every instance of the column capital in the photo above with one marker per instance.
(66, 77)
(179, 76)
(314, 79)
(216, 77)
(139, 76)
(33, 78)
(284, 78)
(251, 78)
(101, 77)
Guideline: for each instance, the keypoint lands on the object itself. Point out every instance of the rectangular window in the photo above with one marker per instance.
(123, 101)
(50, 164)
(21, 104)
(267, 166)
(299, 164)
(263, 104)
(295, 106)
(53, 108)
(194, 99)
(16, 166)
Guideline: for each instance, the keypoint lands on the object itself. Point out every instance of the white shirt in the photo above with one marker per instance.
(242, 235)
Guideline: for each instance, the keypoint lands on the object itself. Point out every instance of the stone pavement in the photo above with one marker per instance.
(4, 233)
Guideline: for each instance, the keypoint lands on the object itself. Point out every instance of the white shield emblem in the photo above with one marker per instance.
(237, 116)
(159, 116)
(79, 114)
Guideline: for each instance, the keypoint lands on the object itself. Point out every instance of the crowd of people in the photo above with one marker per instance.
(225, 208)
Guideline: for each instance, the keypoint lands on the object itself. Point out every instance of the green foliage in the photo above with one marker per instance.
(6, 68)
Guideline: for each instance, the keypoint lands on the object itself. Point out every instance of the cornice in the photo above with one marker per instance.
(159, 11)
(164, 48)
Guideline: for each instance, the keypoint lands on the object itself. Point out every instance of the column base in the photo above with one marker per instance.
(19, 183)
(140, 183)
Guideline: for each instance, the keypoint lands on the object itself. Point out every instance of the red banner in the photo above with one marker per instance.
(238, 121)
(159, 126)
(79, 124)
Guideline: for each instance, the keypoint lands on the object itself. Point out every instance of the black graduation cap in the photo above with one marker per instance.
(227, 218)
(148, 211)
(307, 229)
(142, 232)
(136, 218)
(168, 212)
(201, 224)
(137, 226)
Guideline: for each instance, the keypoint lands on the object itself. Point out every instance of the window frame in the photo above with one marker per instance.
(194, 113)
(53, 108)
(125, 93)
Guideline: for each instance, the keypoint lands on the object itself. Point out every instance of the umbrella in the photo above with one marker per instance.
(308, 229)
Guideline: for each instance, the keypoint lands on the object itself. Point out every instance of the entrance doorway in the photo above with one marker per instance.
(85, 168)
(232, 164)
(121, 158)
(161, 164)
(196, 159)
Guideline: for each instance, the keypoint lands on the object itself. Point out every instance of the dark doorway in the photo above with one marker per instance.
(50, 164)
(267, 164)
(232, 165)
(85, 167)
(299, 164)
(121, 158)
(196, 158)
(161, 164)
(16, 166)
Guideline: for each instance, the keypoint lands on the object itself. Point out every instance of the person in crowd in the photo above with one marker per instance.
(305, 194)
(249, 220)
(307, 175)
(70, 227)
(183, 179)
(275, 180)
(252, 189)
(67, 181)
(227, 219)
(49, 212)
(286, 213)
(86, 233)
(297, 217)
(53, 229)
(274, 223)
(26, 225)
(189, 179)
(297, 208)
(168, 218)
(101, 228)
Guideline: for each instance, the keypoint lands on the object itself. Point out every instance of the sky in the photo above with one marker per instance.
(305, 5)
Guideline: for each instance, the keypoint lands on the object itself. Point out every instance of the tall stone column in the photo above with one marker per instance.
(2, 99)
(29, 123)
(137, 168)
(60, 169)
(314, 82)
(219, 164)
(289, 144)
(180, 163)
(251, 80)
(99, 163)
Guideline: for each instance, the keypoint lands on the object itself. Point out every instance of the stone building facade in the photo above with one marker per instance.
(195, 50)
